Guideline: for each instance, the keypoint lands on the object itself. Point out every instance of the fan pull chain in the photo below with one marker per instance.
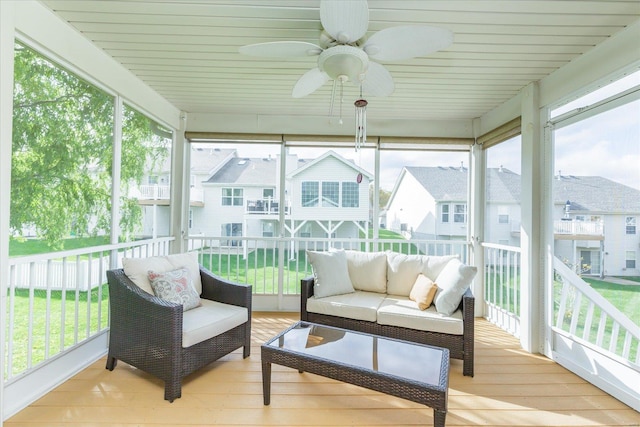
(333, 98)
(341, 98)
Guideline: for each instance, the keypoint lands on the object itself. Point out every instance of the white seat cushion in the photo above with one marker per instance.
(359, 305)
(209, 320)
(401, 311)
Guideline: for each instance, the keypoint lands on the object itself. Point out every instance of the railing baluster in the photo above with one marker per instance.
(587, 323)
(602, 325)
(562, 309)
(575, 313)
(613, 343)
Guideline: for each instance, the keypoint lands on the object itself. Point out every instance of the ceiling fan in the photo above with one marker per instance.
(346, 55)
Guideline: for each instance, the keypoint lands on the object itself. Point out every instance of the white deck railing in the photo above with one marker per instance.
(586, 315)
(58, 300)
(274, 266)
(502, 286)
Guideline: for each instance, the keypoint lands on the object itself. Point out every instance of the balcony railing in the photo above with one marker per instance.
(265, 207)
(572, 227)
(163, 192)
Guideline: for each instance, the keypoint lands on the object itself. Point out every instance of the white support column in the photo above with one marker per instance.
(531, 227)
(116, 177)
(7, 35)
(281, 219)
(548, 239)
(376, 197)
(180, 191)
(476, 228)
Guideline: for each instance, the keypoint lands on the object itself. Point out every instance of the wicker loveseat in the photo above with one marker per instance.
(381, 309)
(156, 336)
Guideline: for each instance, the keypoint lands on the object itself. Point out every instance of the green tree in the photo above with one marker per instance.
(383, 197)
(63, 151)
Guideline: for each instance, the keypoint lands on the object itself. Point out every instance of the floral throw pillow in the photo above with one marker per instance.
(175, 286)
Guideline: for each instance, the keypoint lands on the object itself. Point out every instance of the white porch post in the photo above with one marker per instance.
(6, 119)
(531, 227)
(476, 228)
(180, 191)
(116, 165)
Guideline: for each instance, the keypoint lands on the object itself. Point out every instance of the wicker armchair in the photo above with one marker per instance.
(146, 331)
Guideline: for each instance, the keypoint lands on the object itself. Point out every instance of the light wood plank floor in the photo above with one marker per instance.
(510, 388)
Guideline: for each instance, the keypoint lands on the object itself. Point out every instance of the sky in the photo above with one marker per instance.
(606, 145)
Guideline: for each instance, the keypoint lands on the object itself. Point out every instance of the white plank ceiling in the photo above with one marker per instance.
(188, 50)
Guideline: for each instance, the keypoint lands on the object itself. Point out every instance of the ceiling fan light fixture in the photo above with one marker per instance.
(343, 60)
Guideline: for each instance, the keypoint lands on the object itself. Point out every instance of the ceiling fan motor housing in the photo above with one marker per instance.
(344, 62)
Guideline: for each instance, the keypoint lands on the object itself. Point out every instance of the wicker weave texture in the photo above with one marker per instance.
(146, 331)
(434, 396)
(460, 346)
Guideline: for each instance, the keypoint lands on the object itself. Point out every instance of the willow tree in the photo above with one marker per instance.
(63, 153)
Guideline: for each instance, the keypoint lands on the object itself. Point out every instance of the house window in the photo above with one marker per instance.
(267, 193)
(192, 181)
(310, 193)
(350, 195)
(630, 221)
(232, 197)
(231, 229)
(630, 259)
(190, 218)
(330, 194)
(444, 213)
(153, 179)
(503, 219)
(460, 213)
(267, 229)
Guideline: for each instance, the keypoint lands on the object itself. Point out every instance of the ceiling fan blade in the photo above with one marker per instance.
(283, 49)
(377, 81)
(345, 21)
(404, 42)
(310, 81)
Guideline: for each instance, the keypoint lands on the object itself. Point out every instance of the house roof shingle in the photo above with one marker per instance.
(586, 193)
(246, 171)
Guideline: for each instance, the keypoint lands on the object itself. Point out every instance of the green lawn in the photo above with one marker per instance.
(80, 313)
(36, 246)
(625, 298)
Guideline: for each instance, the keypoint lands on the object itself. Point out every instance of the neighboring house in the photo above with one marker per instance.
(595, 219)
(235, 196)
(429, 203)
(154, 193)
(604, 215)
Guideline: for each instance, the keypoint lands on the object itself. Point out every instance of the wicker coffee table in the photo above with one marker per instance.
(415, 372)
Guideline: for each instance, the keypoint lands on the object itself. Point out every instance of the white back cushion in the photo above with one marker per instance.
(330, 273)
(367, 270)
(137, 269)
(402, 272)
(453, 281)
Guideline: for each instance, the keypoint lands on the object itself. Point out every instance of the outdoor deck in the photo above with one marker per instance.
(510, 388)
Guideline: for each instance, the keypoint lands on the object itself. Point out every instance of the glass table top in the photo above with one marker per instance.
(412, 361)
